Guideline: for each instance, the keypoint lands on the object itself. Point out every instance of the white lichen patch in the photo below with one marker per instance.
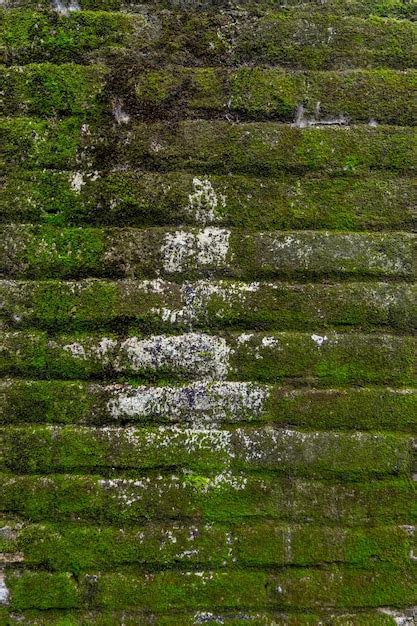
(156, 285)
(199, 296)
(300, 120)
(205, 617)
(319, 340)
(171, 316)
(212, 247)
(4, 591)
(187, 250)
(9, 533)
(64, 8)
(303, 121)
(187, 555)
(9, 558)
(129, 493)
(225, 480)
(203, 201)
(198, 403)
(269, 342)
(298, 250)
(121, 116)
(105, 349)
(198, 440)
(126, 492)
(287, 544)
(76, 349)
(196, 354)
(402, 618)
(244, 338)
(77, 181)
(186, 441)
(259, 348)
(177, 250)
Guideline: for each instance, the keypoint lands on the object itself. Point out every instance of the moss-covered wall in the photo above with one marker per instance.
(208, 263)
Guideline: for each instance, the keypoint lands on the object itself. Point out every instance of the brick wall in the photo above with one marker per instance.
(208, 313)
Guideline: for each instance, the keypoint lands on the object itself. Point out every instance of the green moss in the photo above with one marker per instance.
(101, 5)
(290, 39)
(289, 503)
(380, 544)
(296, 39)
(296, 588)
(336, 587)
(382, 95)
(23, 354)
(370, 408)
(64, 253)
(339, 358)
(46, 250)
(260, 618)
(266, 544)
(374, 201)
(164, 590)
(47, 89)
(56, 304)
(268, 148)
(47, 36)
(326, 41)
(157, 87)
(43, 196)
(92, 304)
(309, 8)
(63, 402)
(323, 254)
(77, 548)
(50, 252)
(46, 401)
(100, 304)
(349, 358)
(257, 148)
(325, 454)
(224, 497)
(42, 590)
(306, 306)
(358, 95)
(385, 8)
(41, 143)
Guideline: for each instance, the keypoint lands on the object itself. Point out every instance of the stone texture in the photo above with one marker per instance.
(208, 308)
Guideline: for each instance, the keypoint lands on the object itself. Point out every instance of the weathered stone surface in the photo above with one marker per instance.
(48, 449)
(141, 198)
(208, 383)
(162, 304)
(49, 251)
(334, 358)
(383, 617)
(294, 588)
(291, 39)
(207, 404)
(47, 89)
(207, 146)
(76, 547)
(308, 98)
(363, 8)
(225, 497)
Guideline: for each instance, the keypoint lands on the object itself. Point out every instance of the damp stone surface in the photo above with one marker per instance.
(208, 313)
